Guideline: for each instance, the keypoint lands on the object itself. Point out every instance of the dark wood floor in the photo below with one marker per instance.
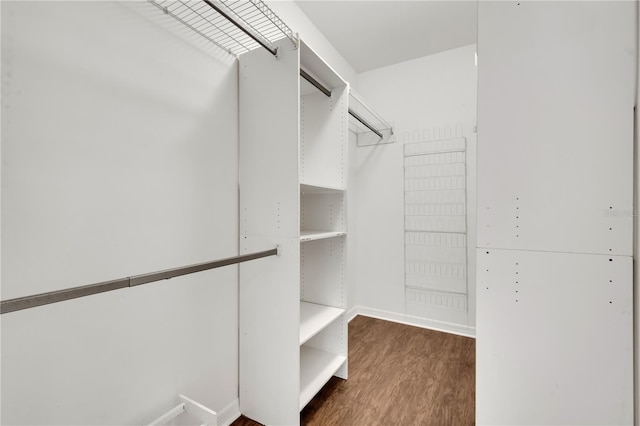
(398, 375)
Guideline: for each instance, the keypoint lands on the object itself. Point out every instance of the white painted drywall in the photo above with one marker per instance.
(119, 150)
(433, 92)
(554, 338)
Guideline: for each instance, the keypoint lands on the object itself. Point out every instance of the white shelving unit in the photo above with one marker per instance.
(293, 189)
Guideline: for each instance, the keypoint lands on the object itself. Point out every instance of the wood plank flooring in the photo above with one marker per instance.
(398, 375)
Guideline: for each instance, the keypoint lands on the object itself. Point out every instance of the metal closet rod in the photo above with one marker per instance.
(327, 92)
(315, 82)
(273, 51)
(35, 300)
(365, 123)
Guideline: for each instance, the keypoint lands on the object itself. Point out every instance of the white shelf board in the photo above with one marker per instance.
(314, 318)
(317, 189)
(316, 368)
(319, 69)
(306, 235)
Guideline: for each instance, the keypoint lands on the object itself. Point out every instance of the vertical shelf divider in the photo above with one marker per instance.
(293, 158)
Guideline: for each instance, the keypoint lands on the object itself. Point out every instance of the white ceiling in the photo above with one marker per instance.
(373, 34)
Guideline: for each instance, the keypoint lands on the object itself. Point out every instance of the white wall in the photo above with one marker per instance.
(119, 150)
(419, 97)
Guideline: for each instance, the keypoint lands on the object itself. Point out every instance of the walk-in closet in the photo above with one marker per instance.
(302, 212)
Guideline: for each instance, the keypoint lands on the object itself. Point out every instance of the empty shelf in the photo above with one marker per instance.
(319, 235)
(316, 368)
(315, 189)
(314, 318)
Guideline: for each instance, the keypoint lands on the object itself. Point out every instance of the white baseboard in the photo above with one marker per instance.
(352, 313)
(447, 327)
(229, 414)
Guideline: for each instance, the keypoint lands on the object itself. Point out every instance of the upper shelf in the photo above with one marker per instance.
(317, 69)
(235, 26)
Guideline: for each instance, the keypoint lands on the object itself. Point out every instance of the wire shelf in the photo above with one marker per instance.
(375, 131)
(237, 26)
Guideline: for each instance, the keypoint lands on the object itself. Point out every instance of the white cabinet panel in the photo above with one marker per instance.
(555, 126)
(554, 338)
(270, 332)
(269, 215)
(269, 188)
(555, 191)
